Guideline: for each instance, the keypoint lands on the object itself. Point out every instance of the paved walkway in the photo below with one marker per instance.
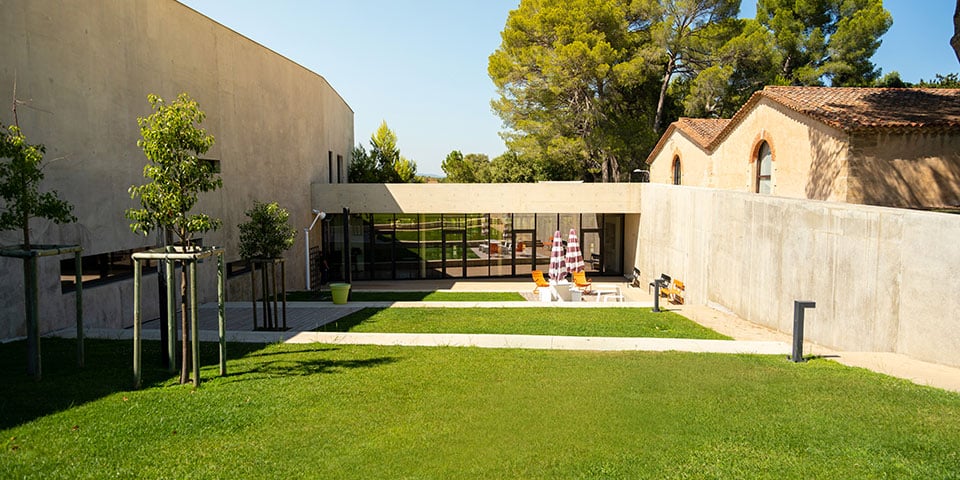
(302, 317)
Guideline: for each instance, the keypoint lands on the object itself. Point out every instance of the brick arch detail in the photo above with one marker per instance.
(761, 137)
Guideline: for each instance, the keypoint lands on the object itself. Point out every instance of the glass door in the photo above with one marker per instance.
(524, 251)
(454, 254)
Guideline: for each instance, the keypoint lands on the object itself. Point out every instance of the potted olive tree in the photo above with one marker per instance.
(263, 239)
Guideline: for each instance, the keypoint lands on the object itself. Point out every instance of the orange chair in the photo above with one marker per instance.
(539, 280)
(580, 281)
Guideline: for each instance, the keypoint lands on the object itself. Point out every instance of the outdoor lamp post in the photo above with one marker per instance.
(306, 234)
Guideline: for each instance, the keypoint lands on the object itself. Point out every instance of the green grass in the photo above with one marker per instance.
(590, 322)
(356, 296)
(319, 411)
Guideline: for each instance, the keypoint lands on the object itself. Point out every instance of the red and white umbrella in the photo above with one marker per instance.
(558, 266)
(574, 254)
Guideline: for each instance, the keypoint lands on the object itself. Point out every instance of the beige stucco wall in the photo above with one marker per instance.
(906, 170)
(809, 158)
(548, 197)
(696, 164)
(883, 278)
(85, 69)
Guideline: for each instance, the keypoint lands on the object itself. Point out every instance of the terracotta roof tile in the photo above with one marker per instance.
(873, 109)
(702, 130)
(849, 109)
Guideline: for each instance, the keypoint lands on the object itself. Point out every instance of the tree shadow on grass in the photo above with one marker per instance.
(348, 322)
(293, 367)
(108, 370)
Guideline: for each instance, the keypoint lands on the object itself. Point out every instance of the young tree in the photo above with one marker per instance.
(267, 234)
(172, 141)
(20, 186)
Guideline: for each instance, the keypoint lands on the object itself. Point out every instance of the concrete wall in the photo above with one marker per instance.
(85, 69)
(548, 197)
(883, 279)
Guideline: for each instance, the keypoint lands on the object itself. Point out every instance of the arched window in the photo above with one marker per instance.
(676, 170)
(764, 169)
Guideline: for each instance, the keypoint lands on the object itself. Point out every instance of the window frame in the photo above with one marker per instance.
(677, 170)
(759, 176)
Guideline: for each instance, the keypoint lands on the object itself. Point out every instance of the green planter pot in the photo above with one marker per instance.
(340, 292)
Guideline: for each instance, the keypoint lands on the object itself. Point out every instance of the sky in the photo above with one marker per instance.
(421, 65)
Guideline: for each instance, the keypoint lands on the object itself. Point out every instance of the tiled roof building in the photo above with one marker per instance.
(880, 146)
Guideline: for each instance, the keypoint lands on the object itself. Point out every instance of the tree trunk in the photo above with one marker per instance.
(658, 119)
(955, 40)
(184, 327)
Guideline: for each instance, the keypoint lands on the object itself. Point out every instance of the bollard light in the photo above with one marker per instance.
(798, 310)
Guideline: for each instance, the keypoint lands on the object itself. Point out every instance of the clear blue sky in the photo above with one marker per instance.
(421, 65)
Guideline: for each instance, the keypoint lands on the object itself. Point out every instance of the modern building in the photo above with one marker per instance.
(883, 279)
(876, 146)
(82, 72)
(448, 230)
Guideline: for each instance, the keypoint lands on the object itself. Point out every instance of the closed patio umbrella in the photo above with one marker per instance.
(558, 264)
(574, 255)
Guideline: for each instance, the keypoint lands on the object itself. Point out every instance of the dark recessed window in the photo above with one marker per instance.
(676, 170)
(214, 164)
(102, 268)
(238, 267)
(339, 168)
(329, 167)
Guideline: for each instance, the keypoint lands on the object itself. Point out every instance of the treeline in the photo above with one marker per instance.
(585, 87)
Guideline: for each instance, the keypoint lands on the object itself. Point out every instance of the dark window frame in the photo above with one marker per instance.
(677, 170)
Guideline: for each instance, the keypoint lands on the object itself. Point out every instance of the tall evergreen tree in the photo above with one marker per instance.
(823, 41)
(562, 70)
(383, 163)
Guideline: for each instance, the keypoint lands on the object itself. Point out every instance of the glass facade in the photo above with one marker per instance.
(428, 246)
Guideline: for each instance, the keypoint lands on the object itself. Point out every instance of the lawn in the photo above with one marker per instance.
(433, 296)
(320, 411)
(589, 322)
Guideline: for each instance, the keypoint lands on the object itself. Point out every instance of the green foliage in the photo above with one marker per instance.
(172, 141)
(891, 80)
(512, 167)
(686, 33)
(472, 168)
(950, 80)
(565, 73)
(383, 163)
(267, 234)
(821, 40)
(584, 86)
(20, 179)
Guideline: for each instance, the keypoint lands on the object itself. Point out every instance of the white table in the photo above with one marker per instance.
(608, 292)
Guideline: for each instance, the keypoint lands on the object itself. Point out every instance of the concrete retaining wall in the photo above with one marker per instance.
(884, 279)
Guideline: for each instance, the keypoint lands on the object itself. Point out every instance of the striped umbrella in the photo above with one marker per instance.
(558, 267)
(574, 254)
